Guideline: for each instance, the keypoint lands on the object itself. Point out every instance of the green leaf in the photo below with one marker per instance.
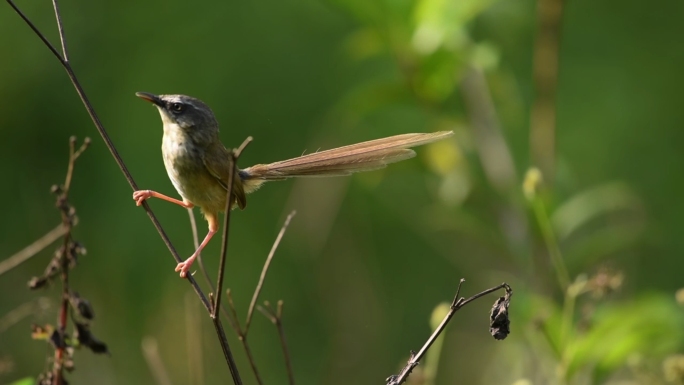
(441, 23)
(590, 204)
(650, 325)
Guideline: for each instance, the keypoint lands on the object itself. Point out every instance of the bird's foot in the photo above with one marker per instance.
(140, 195)
(184, 266)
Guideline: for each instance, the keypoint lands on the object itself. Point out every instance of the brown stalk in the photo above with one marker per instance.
(32, 249)
(276, 317)
(242, 333)
(66, 258)
(545, 81)
(456, 305)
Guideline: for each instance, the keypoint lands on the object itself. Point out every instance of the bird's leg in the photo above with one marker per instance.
(184, 266)
(140, 195)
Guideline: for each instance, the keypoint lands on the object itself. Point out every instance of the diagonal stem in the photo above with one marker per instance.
(264, 270)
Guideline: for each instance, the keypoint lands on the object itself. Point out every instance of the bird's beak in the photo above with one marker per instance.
(152, 98)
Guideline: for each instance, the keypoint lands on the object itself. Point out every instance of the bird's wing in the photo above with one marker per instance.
(217, 162)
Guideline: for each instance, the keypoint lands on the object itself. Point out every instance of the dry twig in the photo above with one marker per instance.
(276, 317)
(498, 326)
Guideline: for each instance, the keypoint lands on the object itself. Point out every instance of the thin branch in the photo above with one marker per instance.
(456, 305)
(37, 32)
(23, 311)
(233, 312)
(193, 334)
(29, 251)
(129, 178)
(216, 305)
(241, 336)
(264, 270)
(60, 27)
(276, 317)
(205, 273)
(234, 156)
(242, 333)
(154, 362)
(242, 147)
(250, 358)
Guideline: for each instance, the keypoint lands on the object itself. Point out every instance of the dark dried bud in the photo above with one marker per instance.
(499, 324)
(86, 338)
(82, 306)
(57, 340)
(37, 283)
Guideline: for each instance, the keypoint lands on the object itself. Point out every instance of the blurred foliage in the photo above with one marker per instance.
(593, 255)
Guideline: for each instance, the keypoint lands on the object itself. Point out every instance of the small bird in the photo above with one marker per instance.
(199, 165)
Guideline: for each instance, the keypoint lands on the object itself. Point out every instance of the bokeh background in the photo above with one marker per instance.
(367, 258)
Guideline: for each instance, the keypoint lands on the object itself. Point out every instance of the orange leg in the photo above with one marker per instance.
(141, 195)
(184, 266)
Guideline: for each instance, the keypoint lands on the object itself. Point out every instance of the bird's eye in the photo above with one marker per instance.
(177, 107)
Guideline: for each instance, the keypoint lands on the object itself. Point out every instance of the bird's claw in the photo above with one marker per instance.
(184, 267)
(140, 196)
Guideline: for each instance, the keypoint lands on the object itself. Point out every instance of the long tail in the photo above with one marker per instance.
(345, 160)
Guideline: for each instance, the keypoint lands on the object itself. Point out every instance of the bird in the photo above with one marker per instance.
(198, 163)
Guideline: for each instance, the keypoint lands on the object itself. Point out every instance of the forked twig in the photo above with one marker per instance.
(456, 305)
(276, 317)
(242, 333)
(64, 61)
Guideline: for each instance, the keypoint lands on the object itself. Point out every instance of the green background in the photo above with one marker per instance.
(367, 258)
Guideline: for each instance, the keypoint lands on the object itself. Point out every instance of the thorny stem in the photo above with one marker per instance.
(122, 166)
(456, 305)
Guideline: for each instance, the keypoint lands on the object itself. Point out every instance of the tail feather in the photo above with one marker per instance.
(365, 156)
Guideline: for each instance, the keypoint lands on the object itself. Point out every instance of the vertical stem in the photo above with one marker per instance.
(552, 244)
(545, 75)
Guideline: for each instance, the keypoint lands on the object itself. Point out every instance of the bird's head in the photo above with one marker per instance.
(181, 112)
